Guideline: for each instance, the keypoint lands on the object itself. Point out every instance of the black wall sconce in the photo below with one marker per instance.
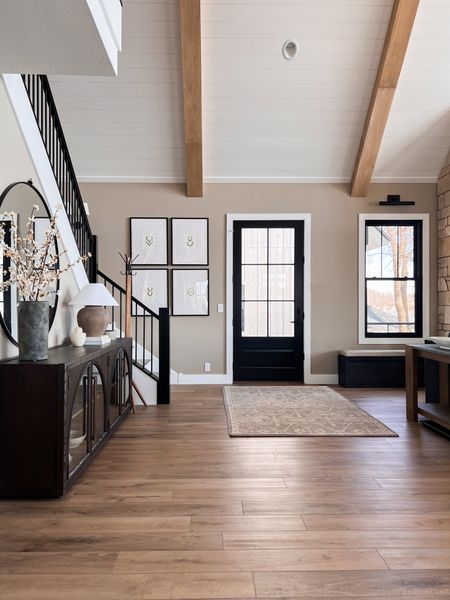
(395, 200)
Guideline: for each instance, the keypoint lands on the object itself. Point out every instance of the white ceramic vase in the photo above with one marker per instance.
(78, 337)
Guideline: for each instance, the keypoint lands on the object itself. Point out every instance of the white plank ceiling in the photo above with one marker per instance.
(265, 118)
(417, 136)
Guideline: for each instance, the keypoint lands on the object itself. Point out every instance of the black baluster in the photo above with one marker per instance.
(151, 344)
(121, 314)
(135, 340)
(144, 344)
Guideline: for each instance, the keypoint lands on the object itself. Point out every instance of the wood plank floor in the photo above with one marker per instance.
(174, 509)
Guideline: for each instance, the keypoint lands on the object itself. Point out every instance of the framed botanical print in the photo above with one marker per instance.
(150, 286)
(190, 292)
(149, 241)
(190, 241)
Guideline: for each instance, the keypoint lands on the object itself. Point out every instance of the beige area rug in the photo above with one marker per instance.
(296, 411)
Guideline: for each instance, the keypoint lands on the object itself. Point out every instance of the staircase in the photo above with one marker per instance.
(150, 332)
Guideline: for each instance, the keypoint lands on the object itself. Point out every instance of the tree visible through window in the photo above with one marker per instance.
(393, 277)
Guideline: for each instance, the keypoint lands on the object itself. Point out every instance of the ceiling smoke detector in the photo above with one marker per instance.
(290, 49)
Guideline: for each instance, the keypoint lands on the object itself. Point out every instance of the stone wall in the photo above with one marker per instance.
(443, 191)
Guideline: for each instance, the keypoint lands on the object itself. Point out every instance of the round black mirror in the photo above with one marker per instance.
(19, 198)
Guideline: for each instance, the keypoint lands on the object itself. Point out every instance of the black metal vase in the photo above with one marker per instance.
(33, 326)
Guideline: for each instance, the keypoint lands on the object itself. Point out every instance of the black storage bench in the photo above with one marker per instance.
(372, 368)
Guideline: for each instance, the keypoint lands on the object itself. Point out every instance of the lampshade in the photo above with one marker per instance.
(94, 294)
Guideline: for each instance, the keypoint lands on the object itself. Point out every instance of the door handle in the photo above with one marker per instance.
(298, 320)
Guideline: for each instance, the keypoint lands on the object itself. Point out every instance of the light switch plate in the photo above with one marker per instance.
(220, 308)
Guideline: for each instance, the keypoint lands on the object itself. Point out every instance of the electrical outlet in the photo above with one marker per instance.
(207, 367)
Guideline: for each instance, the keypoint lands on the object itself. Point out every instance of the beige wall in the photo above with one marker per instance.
(334, 253)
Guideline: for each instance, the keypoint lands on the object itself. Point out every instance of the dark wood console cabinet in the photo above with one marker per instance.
(56, 414)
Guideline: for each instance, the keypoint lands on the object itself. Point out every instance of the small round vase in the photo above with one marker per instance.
(78, 337)
(33, 326)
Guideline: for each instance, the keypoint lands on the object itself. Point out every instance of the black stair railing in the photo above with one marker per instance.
(47, 119)
(150, 332)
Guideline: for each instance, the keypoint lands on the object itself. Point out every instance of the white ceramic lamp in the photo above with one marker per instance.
(94, 317)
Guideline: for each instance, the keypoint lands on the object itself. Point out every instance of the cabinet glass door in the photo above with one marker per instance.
(126, 382)
(120, 388)
(97, 406)
(78, 439)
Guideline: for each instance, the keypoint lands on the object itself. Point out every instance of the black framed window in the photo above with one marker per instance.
(393, 279)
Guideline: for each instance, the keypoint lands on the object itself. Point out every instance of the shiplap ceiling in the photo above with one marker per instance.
(85, 32)
(265, 118)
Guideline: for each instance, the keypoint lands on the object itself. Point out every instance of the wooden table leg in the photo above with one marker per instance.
(411, 383)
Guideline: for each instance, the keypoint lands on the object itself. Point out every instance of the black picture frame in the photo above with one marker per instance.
(175, 308)
(136, 250)
(175, 240)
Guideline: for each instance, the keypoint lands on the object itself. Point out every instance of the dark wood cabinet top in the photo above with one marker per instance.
(69, 355)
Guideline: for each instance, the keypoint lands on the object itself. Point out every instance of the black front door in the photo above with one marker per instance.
(268, 300)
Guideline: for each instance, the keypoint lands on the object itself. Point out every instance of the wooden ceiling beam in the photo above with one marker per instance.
(393, 55)
(192, 93)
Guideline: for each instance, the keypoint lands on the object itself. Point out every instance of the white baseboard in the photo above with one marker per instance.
(222, 379)
(202, 379)
(322, 380)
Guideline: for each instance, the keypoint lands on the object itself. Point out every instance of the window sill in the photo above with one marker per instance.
(391, 341)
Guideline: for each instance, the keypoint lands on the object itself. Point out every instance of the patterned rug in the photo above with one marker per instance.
(296, 411)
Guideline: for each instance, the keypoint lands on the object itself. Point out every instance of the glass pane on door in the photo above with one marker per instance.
(254, 282)
(254, 246)
(281, 282)
(254, 319)
(281, 316)
(268, 282)
(281, 245)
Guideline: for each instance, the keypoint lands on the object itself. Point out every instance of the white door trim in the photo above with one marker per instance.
(306, 218)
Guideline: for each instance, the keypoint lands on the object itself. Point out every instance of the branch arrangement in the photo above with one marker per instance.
(34, 267)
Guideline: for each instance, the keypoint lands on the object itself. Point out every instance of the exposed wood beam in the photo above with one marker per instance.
(394, 50)
(192, 92)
